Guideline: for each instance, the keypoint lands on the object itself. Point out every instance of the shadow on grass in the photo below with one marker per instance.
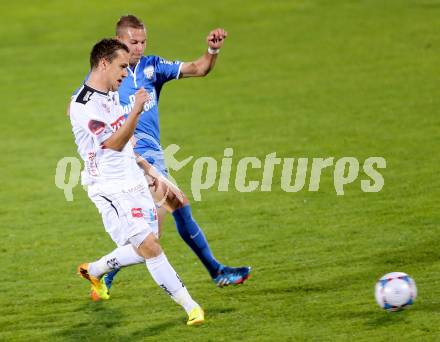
(159, 328)
(214, 312)
(371, 318)
(100, 324)
(385, 319)
(152, 330)
(376, 318)
(286, 290)
(103, 321)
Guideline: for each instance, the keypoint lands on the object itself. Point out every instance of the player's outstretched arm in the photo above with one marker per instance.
(119, 139)
(203, 65)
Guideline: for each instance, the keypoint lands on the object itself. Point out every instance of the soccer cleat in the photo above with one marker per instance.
(107, 280)
(232, 275)
(99, 289)
(196, 316)
(108, 277)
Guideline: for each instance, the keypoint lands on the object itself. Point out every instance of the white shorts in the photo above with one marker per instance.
(128, 213)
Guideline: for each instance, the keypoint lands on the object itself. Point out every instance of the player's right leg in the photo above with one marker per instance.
(111, 263)
(112, 209)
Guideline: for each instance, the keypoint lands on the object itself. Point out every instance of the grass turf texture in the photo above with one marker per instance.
(302, 78)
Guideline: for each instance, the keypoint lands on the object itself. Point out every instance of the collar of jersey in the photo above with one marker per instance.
(93, 90)
(133, 73)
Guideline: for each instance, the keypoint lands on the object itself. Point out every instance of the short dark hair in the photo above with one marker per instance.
(126, 21)
(106, 48)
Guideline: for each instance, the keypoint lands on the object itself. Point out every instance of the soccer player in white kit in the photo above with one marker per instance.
(115, 182)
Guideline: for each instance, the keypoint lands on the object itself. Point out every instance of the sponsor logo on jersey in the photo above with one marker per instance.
(149, 72)
(90, 164)
(136, 188)
(164, 61)
(118, 123)
(153, 214)
(137, 212)
(96, 127)
(126, 109)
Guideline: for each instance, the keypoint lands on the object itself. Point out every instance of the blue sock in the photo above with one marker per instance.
(193, 235)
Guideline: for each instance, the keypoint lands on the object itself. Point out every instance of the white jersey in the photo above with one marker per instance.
(95, 116)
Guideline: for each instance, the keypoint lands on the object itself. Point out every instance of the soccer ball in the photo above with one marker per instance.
(395, 291)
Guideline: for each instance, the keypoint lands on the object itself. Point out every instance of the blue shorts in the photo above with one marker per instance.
(154, 157)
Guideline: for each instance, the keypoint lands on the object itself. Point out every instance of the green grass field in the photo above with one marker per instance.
(300, 78)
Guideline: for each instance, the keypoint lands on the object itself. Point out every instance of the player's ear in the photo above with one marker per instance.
(103, 63)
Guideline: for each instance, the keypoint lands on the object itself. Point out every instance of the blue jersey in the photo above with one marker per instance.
(151, 73)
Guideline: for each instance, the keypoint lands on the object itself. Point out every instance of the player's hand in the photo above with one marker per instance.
(153, 183)
(140, 98)
(216, 38)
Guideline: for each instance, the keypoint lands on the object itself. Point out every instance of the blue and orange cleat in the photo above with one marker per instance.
(232, 275)
(99, 290)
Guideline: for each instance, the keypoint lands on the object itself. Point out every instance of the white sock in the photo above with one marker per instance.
(165, 276)
(119, 257)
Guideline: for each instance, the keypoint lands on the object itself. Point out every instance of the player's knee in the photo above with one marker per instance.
(178, 202)
(185, 199)
(150, 247)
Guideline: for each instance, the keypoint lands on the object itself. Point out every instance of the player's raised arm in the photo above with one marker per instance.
(203, 65)
(119, 139)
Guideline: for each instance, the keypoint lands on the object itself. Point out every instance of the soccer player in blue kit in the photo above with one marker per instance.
(152, 72)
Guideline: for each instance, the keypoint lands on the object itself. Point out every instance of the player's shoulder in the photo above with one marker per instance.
(86, 95)
(156, 60)
(149, 58)
(84, 101)
(147, 61)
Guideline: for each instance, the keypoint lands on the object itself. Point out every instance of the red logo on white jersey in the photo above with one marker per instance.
(96, 127)
(137, 212)
(118, 123)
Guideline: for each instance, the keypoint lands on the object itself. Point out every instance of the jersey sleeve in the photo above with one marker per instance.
(166, 70)
(89, 119)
